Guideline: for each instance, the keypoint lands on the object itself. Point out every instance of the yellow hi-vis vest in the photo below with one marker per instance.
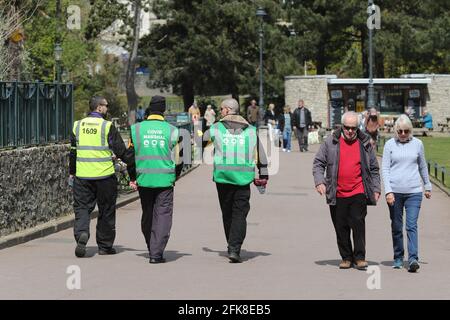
(94, 158)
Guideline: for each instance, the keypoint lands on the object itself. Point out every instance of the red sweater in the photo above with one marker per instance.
(349, 182)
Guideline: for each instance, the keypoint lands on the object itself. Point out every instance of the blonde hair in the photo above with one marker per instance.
(406, 124)
(287, 109)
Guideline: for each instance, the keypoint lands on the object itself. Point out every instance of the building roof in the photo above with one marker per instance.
(380, 81)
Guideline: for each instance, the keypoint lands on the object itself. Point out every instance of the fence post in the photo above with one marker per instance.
(435, 170)
(429, 167)
(443, 175)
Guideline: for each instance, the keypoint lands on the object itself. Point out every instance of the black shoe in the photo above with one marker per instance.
(413, 266)
(103, 252)
(157, 260)
(234, 257)
(80, 250)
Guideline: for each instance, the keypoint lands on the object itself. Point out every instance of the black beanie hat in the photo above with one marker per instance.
(157, 105)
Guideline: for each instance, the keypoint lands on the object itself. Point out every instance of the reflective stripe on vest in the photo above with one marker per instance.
(154, 142)
(94, 158)
(234, 155)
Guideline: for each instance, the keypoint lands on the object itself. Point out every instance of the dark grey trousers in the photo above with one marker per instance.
(302, 136)
(156, 221)
(88, 193)
(235, 205)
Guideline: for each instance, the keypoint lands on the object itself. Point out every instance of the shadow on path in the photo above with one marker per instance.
(169, 255)
(245, 255)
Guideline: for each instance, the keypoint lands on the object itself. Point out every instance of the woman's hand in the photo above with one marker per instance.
(428, 194)
(390, 199)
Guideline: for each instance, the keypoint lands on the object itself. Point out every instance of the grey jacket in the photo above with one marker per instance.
(327, 158)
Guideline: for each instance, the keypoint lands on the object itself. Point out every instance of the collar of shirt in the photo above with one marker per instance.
(155, 117)
(95, 114)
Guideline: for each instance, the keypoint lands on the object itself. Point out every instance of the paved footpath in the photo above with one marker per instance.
(290, 251)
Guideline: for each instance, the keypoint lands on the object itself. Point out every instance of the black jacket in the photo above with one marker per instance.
(296, 118)
(281, 122)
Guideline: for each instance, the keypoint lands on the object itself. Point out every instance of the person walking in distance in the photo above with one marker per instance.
(301, 121)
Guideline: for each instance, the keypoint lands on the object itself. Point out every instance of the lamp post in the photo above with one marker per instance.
(58, 55)
(370, 88)
(261, 13)
(58, 49)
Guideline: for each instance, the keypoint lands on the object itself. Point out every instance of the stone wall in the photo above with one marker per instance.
(438, 101)
(33, 187)
(313, 90)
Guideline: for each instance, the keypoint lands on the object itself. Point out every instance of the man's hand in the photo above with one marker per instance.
(390, 199)
(428, 194)
(321, 189)
(260, 182)
(70, 181)
(133, 185)
(377, 196)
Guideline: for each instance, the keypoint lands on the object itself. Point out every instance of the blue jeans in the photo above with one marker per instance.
(287, 135)
(411, 202)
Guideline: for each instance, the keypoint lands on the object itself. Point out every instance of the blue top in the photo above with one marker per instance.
(404, 167)
(428, 121)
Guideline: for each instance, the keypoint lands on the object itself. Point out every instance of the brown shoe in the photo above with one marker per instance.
(345, 264)
(361, 264)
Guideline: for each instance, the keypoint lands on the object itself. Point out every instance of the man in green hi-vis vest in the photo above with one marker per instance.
(155, 145)
(93, 140)
(237, 153)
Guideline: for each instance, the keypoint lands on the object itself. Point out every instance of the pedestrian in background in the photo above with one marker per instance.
(351, 183)
(404, 170)
(93, 141)
(285, 125)
(302, 121)
(253, 113)
(154, 144)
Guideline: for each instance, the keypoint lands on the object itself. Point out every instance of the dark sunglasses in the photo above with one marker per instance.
(403, 131)
(350, 128)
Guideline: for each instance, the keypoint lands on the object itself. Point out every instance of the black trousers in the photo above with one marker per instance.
(235, 205)
(302, 137)
(88, 193)
(156, 221)
(349, 214)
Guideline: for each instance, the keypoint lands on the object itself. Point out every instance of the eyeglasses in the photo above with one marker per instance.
(350, 128)
(104, 104)
(403, 131)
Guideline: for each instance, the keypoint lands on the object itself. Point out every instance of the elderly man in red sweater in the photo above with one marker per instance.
(346, 170)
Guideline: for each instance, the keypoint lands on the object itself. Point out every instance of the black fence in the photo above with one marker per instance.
(33, 113)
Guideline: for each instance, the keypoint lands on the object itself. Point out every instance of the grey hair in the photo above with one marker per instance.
(232, 104)
(350, 113)
(95, 101)
(403, 121)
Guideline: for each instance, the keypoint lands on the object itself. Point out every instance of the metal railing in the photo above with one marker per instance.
(438, 172)
(33, 113)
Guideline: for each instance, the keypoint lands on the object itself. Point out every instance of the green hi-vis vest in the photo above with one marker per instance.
(234, 155)
(154, 142)
(94, 158)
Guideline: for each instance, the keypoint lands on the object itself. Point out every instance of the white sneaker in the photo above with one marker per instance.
(289, 151)
(284, 150)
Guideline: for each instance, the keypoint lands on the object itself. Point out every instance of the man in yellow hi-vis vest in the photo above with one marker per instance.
(237, 154)
(155, 144)
(93, 141)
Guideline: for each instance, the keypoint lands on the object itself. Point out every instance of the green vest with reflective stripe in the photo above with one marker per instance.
(234, 155)
(94, 158)
(154, 142)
